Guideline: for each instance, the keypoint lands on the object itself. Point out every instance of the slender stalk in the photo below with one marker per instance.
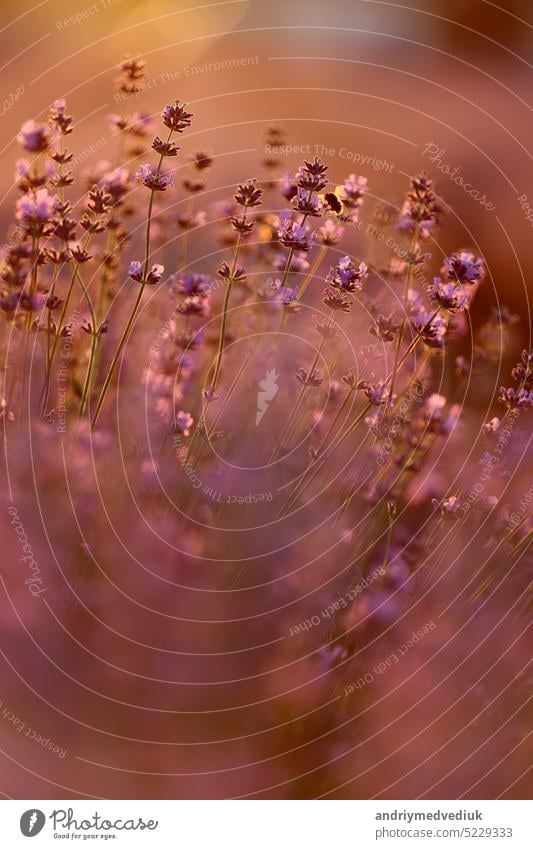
(286, 272)
(312, 271)
(221, 339)
(388, 541)
(33, 288)
(88, 375)
(75, 267)
(524, 541)
(289, 423)
(401, 332)
(94, 345)
(340, 439)
(135, 310)
(118, 352)
(330, 430)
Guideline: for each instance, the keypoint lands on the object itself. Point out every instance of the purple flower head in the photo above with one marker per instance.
(331, 233)
(248, 194)
(346, 276)
(285, 294)
(34, 137)
(155, 274)
(448, 507)
(296, 236)
(515, 399)
(183, 422)
(378, 393)
(194, 284)
(463, 267)
(287, 186)
(176, 117)
(135, 270)
(449, 297)
(36, 208)
(420, 208)
(307, 203)
(148, 175)
(311, 176)
(116, 182)
(353, 191)
(433, 330)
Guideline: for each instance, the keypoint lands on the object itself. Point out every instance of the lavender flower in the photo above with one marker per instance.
(153, 180)
(308, 204)
(336, 300)
(385, 328)
(448, 507)
(194, 284)
(37, 208)
(420, 208)
(463, 267)
(183, 422)
(296, 236)
(176, 117)
(346, 276)
(515, 399)
(155, 274)
(34, 137)
(308, 378)
(165, 148)
(449, 297)
(248, 194)
(377, 393)
(330, 233)
(523, 371)
(352, 194)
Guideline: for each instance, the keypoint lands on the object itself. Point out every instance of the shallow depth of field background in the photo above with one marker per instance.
(376, 79)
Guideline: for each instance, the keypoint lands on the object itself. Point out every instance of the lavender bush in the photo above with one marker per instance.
(246, 445)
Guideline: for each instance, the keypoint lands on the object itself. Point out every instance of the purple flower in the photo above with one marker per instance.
(308, 203)
(433, 330)
(448, 507)
(449, 297)
(135, 270)
(155, 274)
(248, 194)
(116, 182)
(377, 393)
(183, 422)
(296, 236)
(34, 137)
(346, 276)
(194, 284)
(352, 194)
(176, 117)
(331, 233)
(287, 186)
(152, 180)
(36, 208)
(463, 267)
